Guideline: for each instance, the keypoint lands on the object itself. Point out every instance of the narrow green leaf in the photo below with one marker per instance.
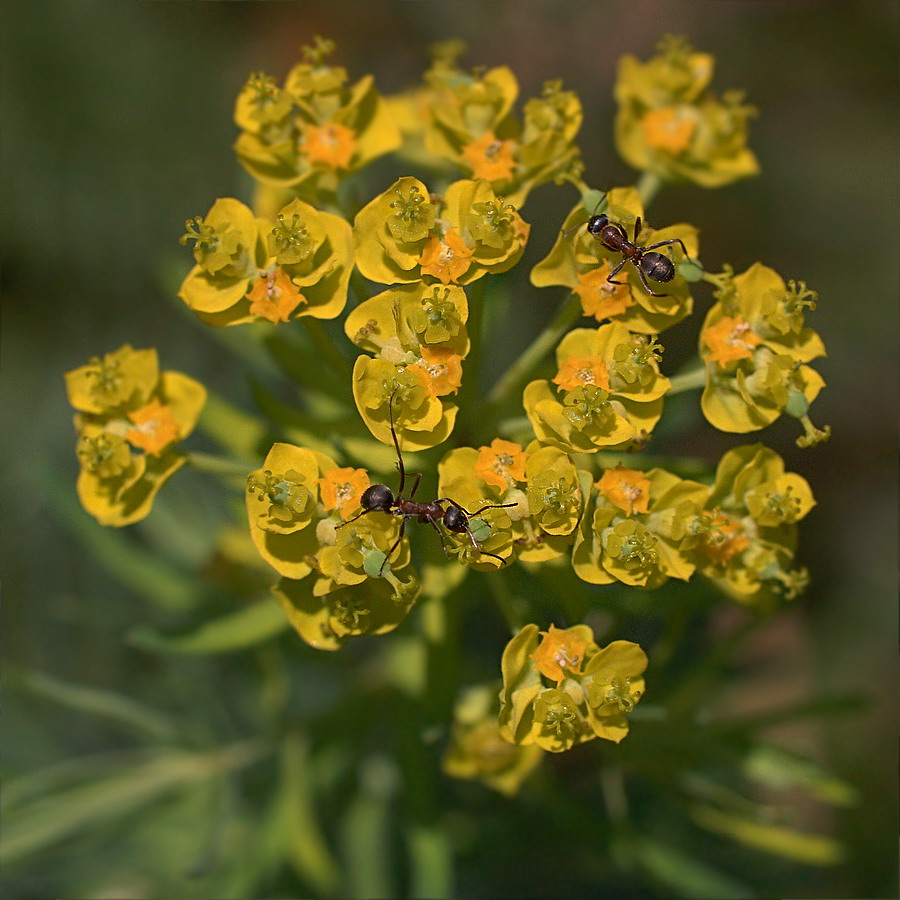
(431, 862)
(33, 826)
(116, 708)
(687, 876)
(247, 627)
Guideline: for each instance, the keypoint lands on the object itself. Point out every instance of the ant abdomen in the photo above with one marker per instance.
(657, 266)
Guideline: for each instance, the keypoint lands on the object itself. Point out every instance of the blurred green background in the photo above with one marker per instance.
(116, 127)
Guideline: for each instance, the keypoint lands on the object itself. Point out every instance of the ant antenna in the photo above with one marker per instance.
(568, 231)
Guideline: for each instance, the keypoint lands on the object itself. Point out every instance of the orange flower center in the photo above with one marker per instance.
(599, 297)
(730, 340)
(626, 488)
(332, 145)
(274, 296)
(578, 371)
(154, 428)
(668, 129)
(490, 158)
(447, 259)
(501, 464)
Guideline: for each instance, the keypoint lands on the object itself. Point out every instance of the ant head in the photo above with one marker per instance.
(596, 224)
(456, 520)
(377, 497)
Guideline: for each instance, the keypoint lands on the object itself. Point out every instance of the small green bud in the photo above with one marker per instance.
(375, 564)
(797, 405)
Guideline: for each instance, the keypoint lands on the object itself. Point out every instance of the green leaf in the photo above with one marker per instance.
(32, 826)
(116, 708)
(779, 840)
(687, 876)
(305, 844)
(247, 627)
(231, 428)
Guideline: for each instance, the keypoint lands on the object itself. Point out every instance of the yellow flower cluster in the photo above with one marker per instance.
(250, 269)
(669, 124)
(301, 508)
(130, 419)
(553, 489)
(756, 348)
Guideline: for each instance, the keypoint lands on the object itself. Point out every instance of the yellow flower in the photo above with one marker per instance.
(155, 428)
(560, 652)
(274, 296)
(477, 749)
(489, 158)
(341, 489)
(501, 464)
(447, 258)
(626, 488)
(724, 540)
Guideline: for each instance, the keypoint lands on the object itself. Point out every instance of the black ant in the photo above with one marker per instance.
(379, 498)
(648, 263)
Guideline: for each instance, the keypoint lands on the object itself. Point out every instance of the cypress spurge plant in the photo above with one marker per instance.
(374, 305)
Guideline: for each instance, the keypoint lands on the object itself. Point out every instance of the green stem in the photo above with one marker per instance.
(648, 186)
(568, 315)
(690, 380)
(358, 285)
(338, 363)
(218, 465)
(499, 590)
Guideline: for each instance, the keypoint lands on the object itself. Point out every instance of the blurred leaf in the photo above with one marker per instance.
(305, 844)
(779, 769)
(231, 427)
(686, 875)
(141, 570)
(780, 840)
(293, 355)
(32, 826)
(116, 708)
(366, 831)
(431, 862)
(251, 625)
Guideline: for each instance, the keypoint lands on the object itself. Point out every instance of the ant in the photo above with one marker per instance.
(648, 263)
(379, 498)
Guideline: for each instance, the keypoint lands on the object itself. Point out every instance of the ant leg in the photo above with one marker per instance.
(670, 241)
(647, 287)
(395, 545)
(637, 229)
(441, 536)
(396, 442)
(616, 271)
(418, 477)
(357, 516)
(477, 546)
